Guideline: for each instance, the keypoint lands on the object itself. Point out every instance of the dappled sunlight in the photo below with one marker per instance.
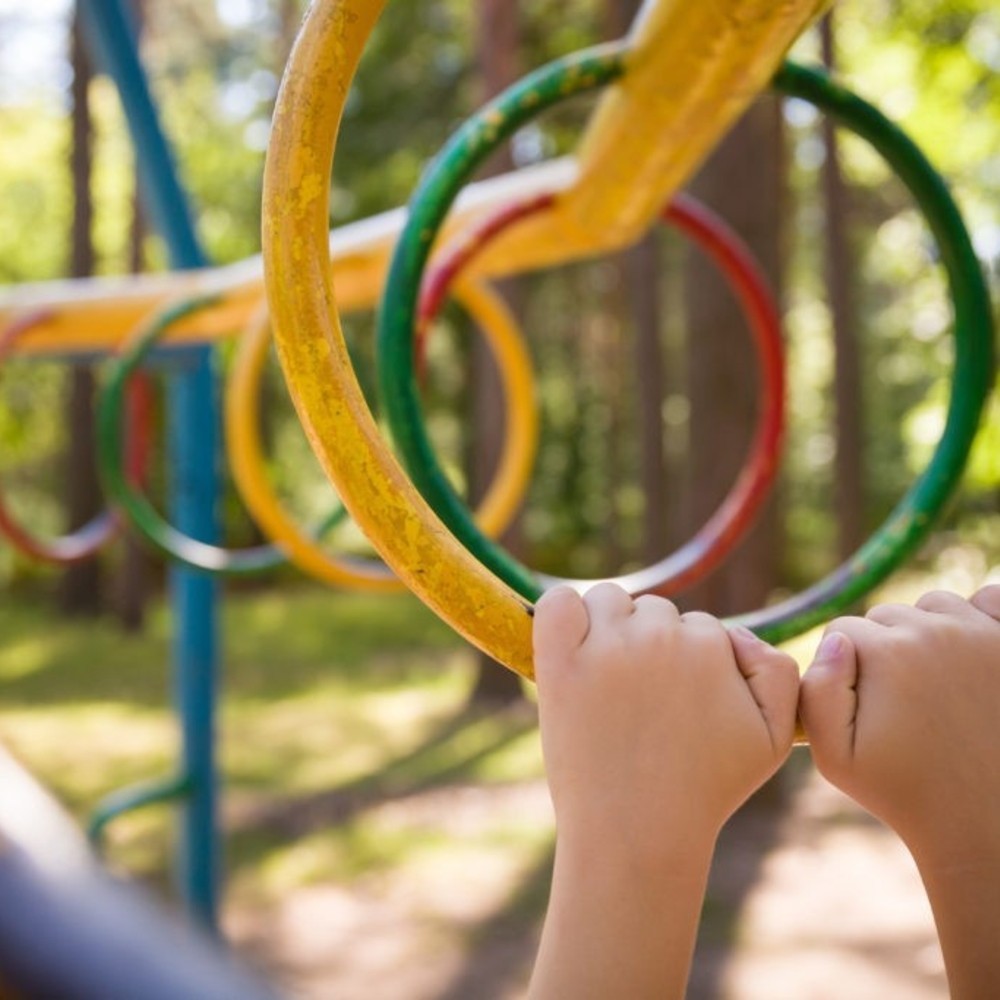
(46, 666)
(838, 911)
(324, 738)
(309, 860)
(18, 659)
(462, 860)
(416, 794)
(520, 758)
(85, 751)
(384, 839)
(424, 834)
(300, 634)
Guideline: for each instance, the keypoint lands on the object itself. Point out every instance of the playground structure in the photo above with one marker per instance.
(663, 88)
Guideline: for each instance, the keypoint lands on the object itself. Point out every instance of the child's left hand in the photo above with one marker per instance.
(655, 725)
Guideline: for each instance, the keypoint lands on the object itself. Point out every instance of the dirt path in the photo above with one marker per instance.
(836, 911)
(811, 902)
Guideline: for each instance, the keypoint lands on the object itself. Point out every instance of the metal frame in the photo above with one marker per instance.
(192, 452)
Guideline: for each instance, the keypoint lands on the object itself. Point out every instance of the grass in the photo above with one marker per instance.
(350, 757)
(358, 695)
(333, 705)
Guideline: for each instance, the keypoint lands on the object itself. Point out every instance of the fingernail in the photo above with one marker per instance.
(830, 649)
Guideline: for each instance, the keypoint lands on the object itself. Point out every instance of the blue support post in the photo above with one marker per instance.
(193, 450)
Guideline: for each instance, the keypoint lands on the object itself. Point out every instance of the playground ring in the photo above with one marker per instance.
(500, 503)
(87, 540)
(734, 516)
(428, 210)
(402, 525)
(127, 496)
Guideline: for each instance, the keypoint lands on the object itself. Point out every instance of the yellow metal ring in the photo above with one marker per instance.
(499, 505)
(376, 491)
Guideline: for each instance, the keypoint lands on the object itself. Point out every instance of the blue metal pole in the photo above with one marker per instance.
(193, 450)
(194, 447)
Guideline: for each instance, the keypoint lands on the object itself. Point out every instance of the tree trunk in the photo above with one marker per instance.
(497, 51)
(744, 182)
(849, 488)
(289, 19)
(641, 271)
(133, 578)
(639, 276)
(80, 593)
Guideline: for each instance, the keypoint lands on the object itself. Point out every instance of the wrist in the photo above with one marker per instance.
(952, 848)
(620, 923)
(622, 856)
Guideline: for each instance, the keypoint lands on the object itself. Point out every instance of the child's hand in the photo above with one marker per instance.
(903, 711)
(902, 708)
(656, 726)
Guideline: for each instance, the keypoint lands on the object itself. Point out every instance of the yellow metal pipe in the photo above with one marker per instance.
(499, 505)
(693, 69)
(694, 66)
(343, 434)
(723, 67)
(98, 314)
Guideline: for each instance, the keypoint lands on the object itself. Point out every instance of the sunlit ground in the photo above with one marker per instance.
(383, 841)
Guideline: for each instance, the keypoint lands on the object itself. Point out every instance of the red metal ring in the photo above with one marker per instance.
(89, 539)
(733, 518)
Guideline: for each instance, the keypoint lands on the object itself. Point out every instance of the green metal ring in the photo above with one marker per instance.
(128, 498)
(907, 525)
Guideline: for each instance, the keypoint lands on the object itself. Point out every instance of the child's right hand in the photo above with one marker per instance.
(902, 709)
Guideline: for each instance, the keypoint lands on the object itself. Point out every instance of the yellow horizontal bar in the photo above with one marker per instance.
(96, 314)
(694, 67)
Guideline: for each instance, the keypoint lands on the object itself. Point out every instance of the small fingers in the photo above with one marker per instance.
(945, 602)
(828, 702)
(773, 679)
(858, 630)
(701, 619)
(608, 604)
(893, 614)
(987, 600)
(561, 624)
(652, 608)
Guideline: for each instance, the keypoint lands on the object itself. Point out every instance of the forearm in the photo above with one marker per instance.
(965, 898)
(618, 926)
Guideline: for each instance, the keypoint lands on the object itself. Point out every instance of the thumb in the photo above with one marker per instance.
(561, 625)
(828, 702)
(773, 679)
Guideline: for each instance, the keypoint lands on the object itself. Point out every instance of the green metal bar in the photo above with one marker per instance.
(907, 526)
(128, 800)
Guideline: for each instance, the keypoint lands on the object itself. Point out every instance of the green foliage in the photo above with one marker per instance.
(34, 193)
(928, 65)
(932, 64)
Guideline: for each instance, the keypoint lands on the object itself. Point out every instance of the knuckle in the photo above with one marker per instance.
(882, 611)
(655, 603)
(703, 620)
(849, 625)
(987, 599)
(937, 599)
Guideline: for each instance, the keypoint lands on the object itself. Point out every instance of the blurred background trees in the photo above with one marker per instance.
(646, 387)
